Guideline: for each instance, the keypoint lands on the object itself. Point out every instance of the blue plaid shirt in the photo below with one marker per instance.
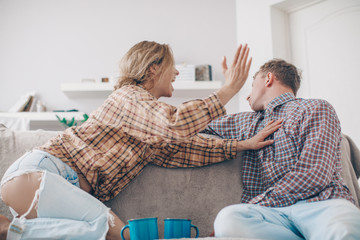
(303, 163)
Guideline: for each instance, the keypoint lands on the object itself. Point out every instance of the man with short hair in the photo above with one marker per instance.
(292, 189)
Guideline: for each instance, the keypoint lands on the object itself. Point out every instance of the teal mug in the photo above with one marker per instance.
(178, 228)
(142, 229)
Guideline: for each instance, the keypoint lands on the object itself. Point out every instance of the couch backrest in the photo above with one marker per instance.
(197, 194)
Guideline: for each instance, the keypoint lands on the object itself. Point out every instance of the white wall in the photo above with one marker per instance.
(254, 27)
(46, 42)
(325, 45)
(270, 28)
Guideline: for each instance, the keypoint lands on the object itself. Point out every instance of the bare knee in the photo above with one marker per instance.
(115, 226)
(19, 193)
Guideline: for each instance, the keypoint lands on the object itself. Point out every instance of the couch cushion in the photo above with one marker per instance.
(193, 193)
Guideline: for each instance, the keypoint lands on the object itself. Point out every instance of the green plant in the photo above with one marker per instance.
(70, 123)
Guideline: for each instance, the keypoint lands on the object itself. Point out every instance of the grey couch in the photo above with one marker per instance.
(197, 194)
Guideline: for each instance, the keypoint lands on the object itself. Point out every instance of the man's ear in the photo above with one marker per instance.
(269, 80)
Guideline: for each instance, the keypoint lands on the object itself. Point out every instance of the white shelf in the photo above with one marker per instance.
(102, 90)
(38, 120)
(43, 116)
(87, 90)
(197, 85)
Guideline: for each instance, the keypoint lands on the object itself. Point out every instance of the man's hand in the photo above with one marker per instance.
(235, 75)
(258, 141)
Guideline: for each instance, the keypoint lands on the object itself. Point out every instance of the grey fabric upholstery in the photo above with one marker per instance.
(197, 194)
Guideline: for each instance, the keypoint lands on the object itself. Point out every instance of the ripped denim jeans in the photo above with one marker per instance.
(64, 210)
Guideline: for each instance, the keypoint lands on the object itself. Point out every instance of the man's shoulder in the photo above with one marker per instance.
(311, 103)
(240, 116)
(238, 120)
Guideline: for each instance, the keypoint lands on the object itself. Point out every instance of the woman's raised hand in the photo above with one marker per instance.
(258, 141)
(235, 75)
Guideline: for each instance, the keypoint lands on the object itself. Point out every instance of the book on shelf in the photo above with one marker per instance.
(24, 104)
(190, 72)
(186, 72)
(203, 72)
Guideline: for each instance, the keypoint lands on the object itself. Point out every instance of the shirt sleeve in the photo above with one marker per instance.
(232, 126)
(222, 127)
(319, 139)
(155, 122)
(198, 151)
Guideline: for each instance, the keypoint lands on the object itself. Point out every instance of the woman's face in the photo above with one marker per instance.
(163, 85)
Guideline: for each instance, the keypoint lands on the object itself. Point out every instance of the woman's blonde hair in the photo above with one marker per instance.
(136, 63)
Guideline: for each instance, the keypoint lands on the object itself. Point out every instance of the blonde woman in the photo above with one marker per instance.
(56, 190)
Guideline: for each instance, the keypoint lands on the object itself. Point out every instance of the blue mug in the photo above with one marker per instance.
(142, 229)
(178, 228)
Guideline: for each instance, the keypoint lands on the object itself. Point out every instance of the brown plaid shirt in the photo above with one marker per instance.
(132, 129)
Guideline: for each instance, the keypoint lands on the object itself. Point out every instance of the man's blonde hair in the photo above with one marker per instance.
(136, 63)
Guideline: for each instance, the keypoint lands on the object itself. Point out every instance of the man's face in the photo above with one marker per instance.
(256, 97)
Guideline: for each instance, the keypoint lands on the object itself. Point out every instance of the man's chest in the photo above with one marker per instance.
(269, 164)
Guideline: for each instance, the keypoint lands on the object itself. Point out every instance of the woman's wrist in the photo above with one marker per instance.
(241, 146)
(225, 93)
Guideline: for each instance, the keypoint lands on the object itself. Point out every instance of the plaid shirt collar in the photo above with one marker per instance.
(278, 101)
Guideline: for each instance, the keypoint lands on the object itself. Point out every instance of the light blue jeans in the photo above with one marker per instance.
(64, 210)
(325, 220)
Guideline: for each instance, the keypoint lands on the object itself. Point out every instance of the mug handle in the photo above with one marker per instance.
(196, 229)
(122, 231)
